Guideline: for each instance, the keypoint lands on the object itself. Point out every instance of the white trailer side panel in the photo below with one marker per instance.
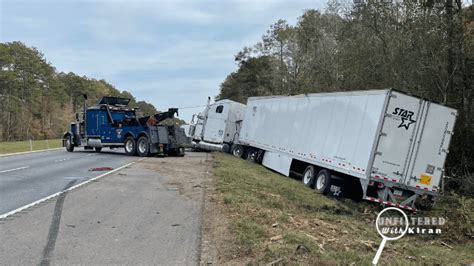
(333, 130)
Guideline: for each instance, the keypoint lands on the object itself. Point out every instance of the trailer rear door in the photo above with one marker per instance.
(396, 137)
(431, 147)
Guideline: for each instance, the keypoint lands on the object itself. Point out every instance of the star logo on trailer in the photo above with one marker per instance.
(405, 116)
(406, 122)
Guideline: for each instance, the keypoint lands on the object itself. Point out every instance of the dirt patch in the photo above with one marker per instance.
(188, 172)
(193, 179)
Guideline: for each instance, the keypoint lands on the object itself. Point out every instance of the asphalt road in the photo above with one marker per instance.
(148, 213)
(27, 178)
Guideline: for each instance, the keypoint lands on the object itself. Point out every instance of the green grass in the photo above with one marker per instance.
(20, 146)
(275, 217)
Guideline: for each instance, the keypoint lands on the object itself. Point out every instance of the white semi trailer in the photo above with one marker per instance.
(217, 127)
(386, 146)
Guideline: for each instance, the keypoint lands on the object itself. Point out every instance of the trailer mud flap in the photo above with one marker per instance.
(277, 162)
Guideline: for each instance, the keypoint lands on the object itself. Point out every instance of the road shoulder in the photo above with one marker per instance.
(149, 213)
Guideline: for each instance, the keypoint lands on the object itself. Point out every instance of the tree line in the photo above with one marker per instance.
(425, 48)
(38, 102)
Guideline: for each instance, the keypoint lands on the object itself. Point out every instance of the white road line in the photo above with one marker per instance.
(15, 169)
(5, 215)
(61, 160)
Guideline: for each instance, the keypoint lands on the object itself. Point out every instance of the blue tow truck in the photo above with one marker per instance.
(113, 124)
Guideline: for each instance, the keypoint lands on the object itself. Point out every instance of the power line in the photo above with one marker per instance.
(189, 107)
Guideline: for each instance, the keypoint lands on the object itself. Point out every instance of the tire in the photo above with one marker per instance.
(69, 144)
(309, 176)
(322, 183)
(226, 148)
(178, 152)
(130, 146)
(98, 149)
(238, 151)
(143, 147)
(252, 155)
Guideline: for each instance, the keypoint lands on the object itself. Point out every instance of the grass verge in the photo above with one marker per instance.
(21, 146)
(276, 219)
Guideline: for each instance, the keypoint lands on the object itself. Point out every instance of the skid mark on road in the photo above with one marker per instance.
(54, 227)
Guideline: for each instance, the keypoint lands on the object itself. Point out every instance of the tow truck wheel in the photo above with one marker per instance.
(69, 145)
(130, 146)
(143, 147)
(322, 182)
(308, 176)
(98, 149)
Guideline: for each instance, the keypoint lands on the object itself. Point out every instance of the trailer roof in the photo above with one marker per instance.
(363, 92)
(360, 92)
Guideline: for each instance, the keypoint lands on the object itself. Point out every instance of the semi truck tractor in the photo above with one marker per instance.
(111, 123)
(382, 145)
(217, 127)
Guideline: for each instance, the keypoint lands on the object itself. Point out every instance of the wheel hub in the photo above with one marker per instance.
(129, 146)
(142, 146)
(307, 177)
(320, 182)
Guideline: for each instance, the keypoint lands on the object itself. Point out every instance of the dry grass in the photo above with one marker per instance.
(20, 146)
(275, 218)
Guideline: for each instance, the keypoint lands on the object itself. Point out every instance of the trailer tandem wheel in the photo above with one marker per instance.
(323, 181)
(308, 176)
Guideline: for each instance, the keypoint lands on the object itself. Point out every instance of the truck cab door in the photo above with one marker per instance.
(106, 128)
(215, 125)
(92, 124)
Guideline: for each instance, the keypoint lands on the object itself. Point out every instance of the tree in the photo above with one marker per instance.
(38, 102)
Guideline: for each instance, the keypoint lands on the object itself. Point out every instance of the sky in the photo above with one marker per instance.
(169, 53)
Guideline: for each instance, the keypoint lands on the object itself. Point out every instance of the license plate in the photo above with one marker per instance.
(397, 192)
